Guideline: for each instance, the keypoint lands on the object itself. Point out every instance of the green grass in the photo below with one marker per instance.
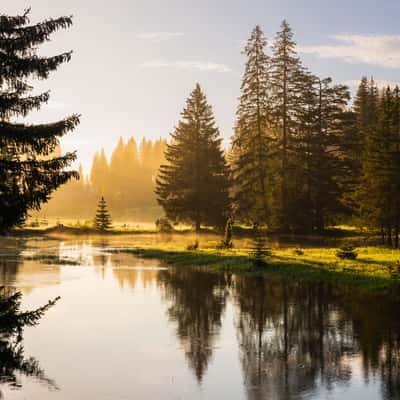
(370, 270)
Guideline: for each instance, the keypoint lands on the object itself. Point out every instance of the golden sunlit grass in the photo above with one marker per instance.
(372, 269)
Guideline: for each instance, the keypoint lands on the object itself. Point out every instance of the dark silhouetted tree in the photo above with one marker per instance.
(378, 192)
(28, 171)
(13, 364)
(287, 88)
(251, 145)
(193, 186)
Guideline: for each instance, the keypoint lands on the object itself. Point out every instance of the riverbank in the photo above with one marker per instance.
(292, 256)
(374, 269)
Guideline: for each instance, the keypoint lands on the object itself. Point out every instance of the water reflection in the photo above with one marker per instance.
(297, 338)
(289, 339)
(196, 302)
(13, 363)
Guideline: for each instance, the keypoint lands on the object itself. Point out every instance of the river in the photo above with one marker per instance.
(127, 328)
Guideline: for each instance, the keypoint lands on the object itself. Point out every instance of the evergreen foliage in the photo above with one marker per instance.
(251, 145)
(287, 88)
(259, 250)
(193, 186)
(102, 221)
(302, 157)
(132, 165)
(377, 194)
(317, 156)
(28, 171)
(287, 161)
(12, 323)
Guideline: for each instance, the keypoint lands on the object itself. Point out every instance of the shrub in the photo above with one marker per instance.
(347, 252)
(394, 270)
(298, 252)
(163, 225)
(193, 246)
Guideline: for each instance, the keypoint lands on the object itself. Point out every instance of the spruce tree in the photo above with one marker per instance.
(192, 186)
(28, 172)
(287, 80)
(365, 114)
(327, 164)
(315, 148)
(379, 188)
(251, 145)
(356, 143)
(102, 220)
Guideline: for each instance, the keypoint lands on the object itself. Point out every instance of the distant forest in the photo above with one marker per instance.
(127, 181)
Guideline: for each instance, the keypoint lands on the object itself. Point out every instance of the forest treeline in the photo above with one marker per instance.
(303, 156)
(126, 180)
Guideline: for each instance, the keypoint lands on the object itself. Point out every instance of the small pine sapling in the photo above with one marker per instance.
(102, 221)
(259, 250)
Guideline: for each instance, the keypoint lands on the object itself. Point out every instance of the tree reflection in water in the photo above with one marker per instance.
(197, 300)
(295, 337)
(13, 363)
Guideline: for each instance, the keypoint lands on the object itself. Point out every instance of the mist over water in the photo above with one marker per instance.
(131, 328)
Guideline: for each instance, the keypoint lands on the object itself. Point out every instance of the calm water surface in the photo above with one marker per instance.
(132, 329)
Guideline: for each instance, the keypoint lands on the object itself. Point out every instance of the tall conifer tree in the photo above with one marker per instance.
(316, 148)
(379, 189)
(28, 172)
(359, 143)
(287, 80)
(192, 186)
(252, 140)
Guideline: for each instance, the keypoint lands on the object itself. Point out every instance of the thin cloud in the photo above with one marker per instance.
(379, 50)
(187, 65)
(159, 36)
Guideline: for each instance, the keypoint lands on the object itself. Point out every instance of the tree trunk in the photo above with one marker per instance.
(197, 224)
(389, 237)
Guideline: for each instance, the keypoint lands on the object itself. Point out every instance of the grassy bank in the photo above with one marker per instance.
(294, 256)
(371, 270)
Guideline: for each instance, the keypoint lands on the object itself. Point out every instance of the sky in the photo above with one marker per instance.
(136, 61)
